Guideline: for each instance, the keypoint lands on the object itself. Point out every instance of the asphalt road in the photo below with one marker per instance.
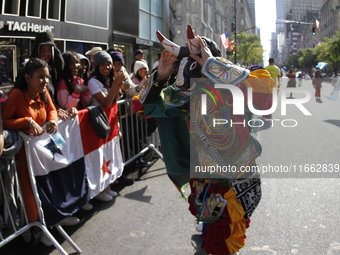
(298, 213)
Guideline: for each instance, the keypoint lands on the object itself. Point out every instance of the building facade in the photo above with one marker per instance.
(301, 16)
(330, 18)
(79, 26)
(73, 25)
(211, 19)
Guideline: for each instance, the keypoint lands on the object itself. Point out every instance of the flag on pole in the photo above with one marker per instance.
(66, 178)
(317, 24)
(321, 65)
(225, 40)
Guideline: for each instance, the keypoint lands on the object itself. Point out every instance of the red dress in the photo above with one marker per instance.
(317, 83)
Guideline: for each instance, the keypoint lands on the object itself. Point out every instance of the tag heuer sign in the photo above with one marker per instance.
(28, 27)
(144, 42)
(1, 24)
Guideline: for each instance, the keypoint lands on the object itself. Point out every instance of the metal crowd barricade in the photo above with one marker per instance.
(13, 217)
(135, 141)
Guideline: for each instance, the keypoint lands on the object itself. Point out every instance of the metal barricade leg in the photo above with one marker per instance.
(26, 228)
(11, 195)
(67, 238)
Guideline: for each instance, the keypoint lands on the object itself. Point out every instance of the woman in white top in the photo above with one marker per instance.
(105, 90)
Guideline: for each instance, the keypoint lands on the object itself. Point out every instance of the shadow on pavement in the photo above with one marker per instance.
(196, 242)
(334, 122)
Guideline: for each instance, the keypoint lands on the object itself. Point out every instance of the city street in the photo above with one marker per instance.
(298, 213)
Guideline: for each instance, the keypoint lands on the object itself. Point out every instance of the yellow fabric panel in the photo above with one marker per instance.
(234, 207)
(235, 244)
(237, 229)
(260, 81)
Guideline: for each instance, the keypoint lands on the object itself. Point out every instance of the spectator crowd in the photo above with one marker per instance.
(53, 86)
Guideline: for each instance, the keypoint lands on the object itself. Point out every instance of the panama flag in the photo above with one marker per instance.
(103, 157)
(66, 178)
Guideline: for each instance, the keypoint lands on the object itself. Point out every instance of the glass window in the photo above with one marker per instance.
(8, 65)
(144, 25)
(87, 14)
(144, 5)
(156, 24)
(157, 7)
(33, 8)
(150, 18)
(53, 9)
(11, 6)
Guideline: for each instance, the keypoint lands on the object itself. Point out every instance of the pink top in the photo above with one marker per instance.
(66, 100)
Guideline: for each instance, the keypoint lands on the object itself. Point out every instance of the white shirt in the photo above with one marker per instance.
(95, 87)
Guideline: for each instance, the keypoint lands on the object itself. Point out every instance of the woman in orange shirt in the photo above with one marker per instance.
(28, 107)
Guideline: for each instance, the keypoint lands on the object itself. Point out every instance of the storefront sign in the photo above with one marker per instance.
(144, 42)
(28, 27)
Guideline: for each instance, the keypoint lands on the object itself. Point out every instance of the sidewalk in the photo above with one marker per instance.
(148, 218)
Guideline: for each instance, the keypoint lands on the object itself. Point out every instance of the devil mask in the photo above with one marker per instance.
(187, 67)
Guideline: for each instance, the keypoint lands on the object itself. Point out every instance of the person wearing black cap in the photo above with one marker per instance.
(128, 86)
(105, 89)
(139, 54)
(45, 49)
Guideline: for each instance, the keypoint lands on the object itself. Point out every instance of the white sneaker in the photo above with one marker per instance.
(199, 227)
(69, 221)
(104, 197)
(111, 192)
(87, 207)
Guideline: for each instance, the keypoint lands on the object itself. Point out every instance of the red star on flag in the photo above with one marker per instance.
(105, 167)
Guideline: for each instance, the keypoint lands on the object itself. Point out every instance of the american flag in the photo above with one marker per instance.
(225, 40)
(317, 24)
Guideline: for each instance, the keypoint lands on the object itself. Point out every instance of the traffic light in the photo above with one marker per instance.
(233, 27)
(313, 31)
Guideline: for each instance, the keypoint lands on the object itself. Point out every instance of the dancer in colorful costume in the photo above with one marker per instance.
(223, 201)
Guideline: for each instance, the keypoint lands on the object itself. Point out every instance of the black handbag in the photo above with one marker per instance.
(99, 121)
